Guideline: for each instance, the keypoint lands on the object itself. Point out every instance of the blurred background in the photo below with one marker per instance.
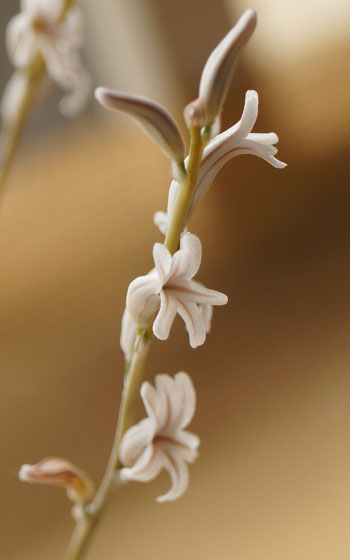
(272, 481)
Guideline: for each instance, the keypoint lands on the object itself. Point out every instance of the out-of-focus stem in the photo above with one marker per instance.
(12, 133)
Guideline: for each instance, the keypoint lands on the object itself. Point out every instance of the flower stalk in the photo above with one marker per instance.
(134, 373)
(140, 451)
(12, 132)
(184, 197)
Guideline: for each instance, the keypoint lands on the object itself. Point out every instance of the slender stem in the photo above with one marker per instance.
(92, 511)
(184, 197)
(91, 514)
(12, 133)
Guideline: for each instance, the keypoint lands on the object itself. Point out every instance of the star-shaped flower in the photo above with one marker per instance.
(237, 140)
(37, 29)
(160, 441)
(170, 289)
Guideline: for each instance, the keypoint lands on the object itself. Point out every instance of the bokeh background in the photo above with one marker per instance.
(272, 481)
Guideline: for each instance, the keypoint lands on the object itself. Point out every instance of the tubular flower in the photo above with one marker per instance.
(232, 142)
(170, 289)
(160, 441)
(37, 30)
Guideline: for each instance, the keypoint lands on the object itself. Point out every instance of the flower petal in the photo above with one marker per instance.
(127, 335)
(162, 261)
(191, 245)
(147, 467)
(179, 475)
(142, 300)
(207, 312)
(192, 291)
(187, 444)
(135, 440)
(185, 387)
(161, 220)
(174, 402)
(166, 315)
(192, 316)
(155, 405)
(249, 115)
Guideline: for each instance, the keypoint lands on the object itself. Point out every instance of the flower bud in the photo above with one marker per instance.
(60, 472)
(152, 117)
(218, 70)
(194, 114)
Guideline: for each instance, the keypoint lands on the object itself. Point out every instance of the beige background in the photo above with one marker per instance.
(272, 480)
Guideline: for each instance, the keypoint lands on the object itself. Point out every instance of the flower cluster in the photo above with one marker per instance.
(39, 30)
(170, 288)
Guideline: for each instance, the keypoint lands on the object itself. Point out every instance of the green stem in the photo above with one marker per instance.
(184, 197)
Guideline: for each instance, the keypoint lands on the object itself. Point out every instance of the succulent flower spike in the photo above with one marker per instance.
(152, 117)
(170, 289)
(60, 472)
(160, 441)
(218, 70)
(37, 30)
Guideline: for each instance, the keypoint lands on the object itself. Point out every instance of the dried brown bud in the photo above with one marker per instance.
(60, 472)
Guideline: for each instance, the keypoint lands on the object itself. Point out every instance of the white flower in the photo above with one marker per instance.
(170, 289)
(160, 441)
(37, 30)
(232, 142)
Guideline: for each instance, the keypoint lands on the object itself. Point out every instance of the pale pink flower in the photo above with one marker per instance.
(170, 289)
(235, 141)
(160, 441)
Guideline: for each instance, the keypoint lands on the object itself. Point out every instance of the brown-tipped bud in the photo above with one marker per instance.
(218, 70)
(152, 117)
(60, 472)
(194, 114)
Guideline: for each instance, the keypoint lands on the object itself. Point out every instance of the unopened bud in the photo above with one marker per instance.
(218, 70)
(152, 117)
(194, 114)
(60, 472)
